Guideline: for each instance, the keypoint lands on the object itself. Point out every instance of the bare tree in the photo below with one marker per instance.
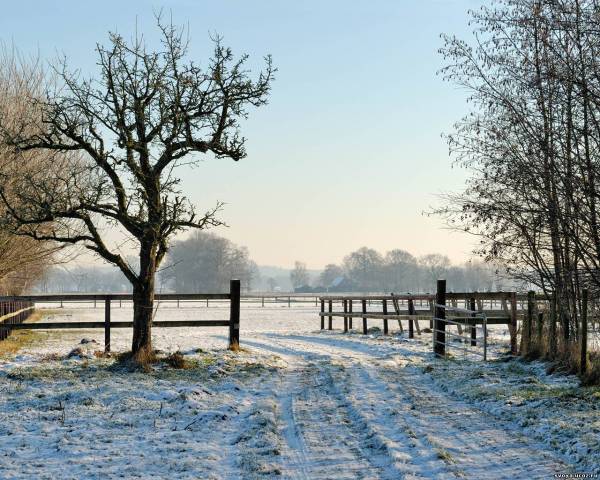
(364, 266)
(531, 143)
(112, 147)
(22, 260)
(329, 274)
(435, 266)
(205, 262)
(299, 275)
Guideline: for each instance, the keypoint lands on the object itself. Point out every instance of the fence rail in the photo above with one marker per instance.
(493, 308)
(233, 322)
(537, 313)
(12, 314)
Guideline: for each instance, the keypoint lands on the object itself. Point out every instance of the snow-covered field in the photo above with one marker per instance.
(296, 403)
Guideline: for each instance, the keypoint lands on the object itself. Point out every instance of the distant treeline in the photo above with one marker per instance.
(367, 270)
(205, 262)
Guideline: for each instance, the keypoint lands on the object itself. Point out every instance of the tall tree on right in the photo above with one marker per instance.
(531, 143)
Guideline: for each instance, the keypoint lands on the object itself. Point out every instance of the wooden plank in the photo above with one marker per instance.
(583, 333)
(119, 324)
(80, 297)
(439, 328)
(364, 319)
(350, 326)
(234, 314)
(380, 316)
(107, 325)
(425, 296)
(553, 340)
(385, 317)
(396, 305)
(345, 302)
(16, 313)
(472, 306)
(513, 324)
(411, 311)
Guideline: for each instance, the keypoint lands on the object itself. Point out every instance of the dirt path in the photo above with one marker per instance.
(348, 410)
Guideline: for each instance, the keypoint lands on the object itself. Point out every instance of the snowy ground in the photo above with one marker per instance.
(298, 403)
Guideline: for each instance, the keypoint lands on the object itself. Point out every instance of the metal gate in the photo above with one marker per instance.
(466, 322)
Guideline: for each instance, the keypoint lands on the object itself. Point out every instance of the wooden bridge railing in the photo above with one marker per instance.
(233, 322)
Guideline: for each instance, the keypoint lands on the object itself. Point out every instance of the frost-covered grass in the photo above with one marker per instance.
(554, 409)
(295, 402)
(96, 419)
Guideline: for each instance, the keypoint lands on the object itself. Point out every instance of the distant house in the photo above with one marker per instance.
(342, 284)
(304, 289)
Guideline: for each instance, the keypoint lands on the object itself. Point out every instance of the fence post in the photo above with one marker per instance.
(584, 329)
(107, 325)
(345, 317)
(364, 310)
(439, 324)
(411, 311)
(528, 325)
(432, 311)
(330, 319)
(234, 314)
(474, 326)
(385, 320)
(263, 301)
(513, 323)
(553, 325)
(322, 314)
(350, 326)
(289, 302)
(2, 327)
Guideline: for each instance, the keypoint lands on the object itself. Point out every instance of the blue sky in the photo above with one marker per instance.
(347, 153)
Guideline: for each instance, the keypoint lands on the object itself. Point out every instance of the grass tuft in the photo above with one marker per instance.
(177, 360)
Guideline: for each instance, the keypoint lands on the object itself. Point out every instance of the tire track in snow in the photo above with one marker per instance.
(297, 463)
(466, 439)
(321, 440)
(392, 458)
(476, 442)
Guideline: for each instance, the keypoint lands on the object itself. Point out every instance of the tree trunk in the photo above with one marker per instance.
(143, 307)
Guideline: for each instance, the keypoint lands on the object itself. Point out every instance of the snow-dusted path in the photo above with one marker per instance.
(350, 411)
(297, 403)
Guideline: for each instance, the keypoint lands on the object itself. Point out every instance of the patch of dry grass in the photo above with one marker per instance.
(592, 375)
(176, 360)
(19, 339)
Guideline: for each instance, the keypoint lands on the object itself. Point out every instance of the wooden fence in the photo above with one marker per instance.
(535, 312)
(179, 300)
(233, 322)
(500, 308)
(13, 312)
